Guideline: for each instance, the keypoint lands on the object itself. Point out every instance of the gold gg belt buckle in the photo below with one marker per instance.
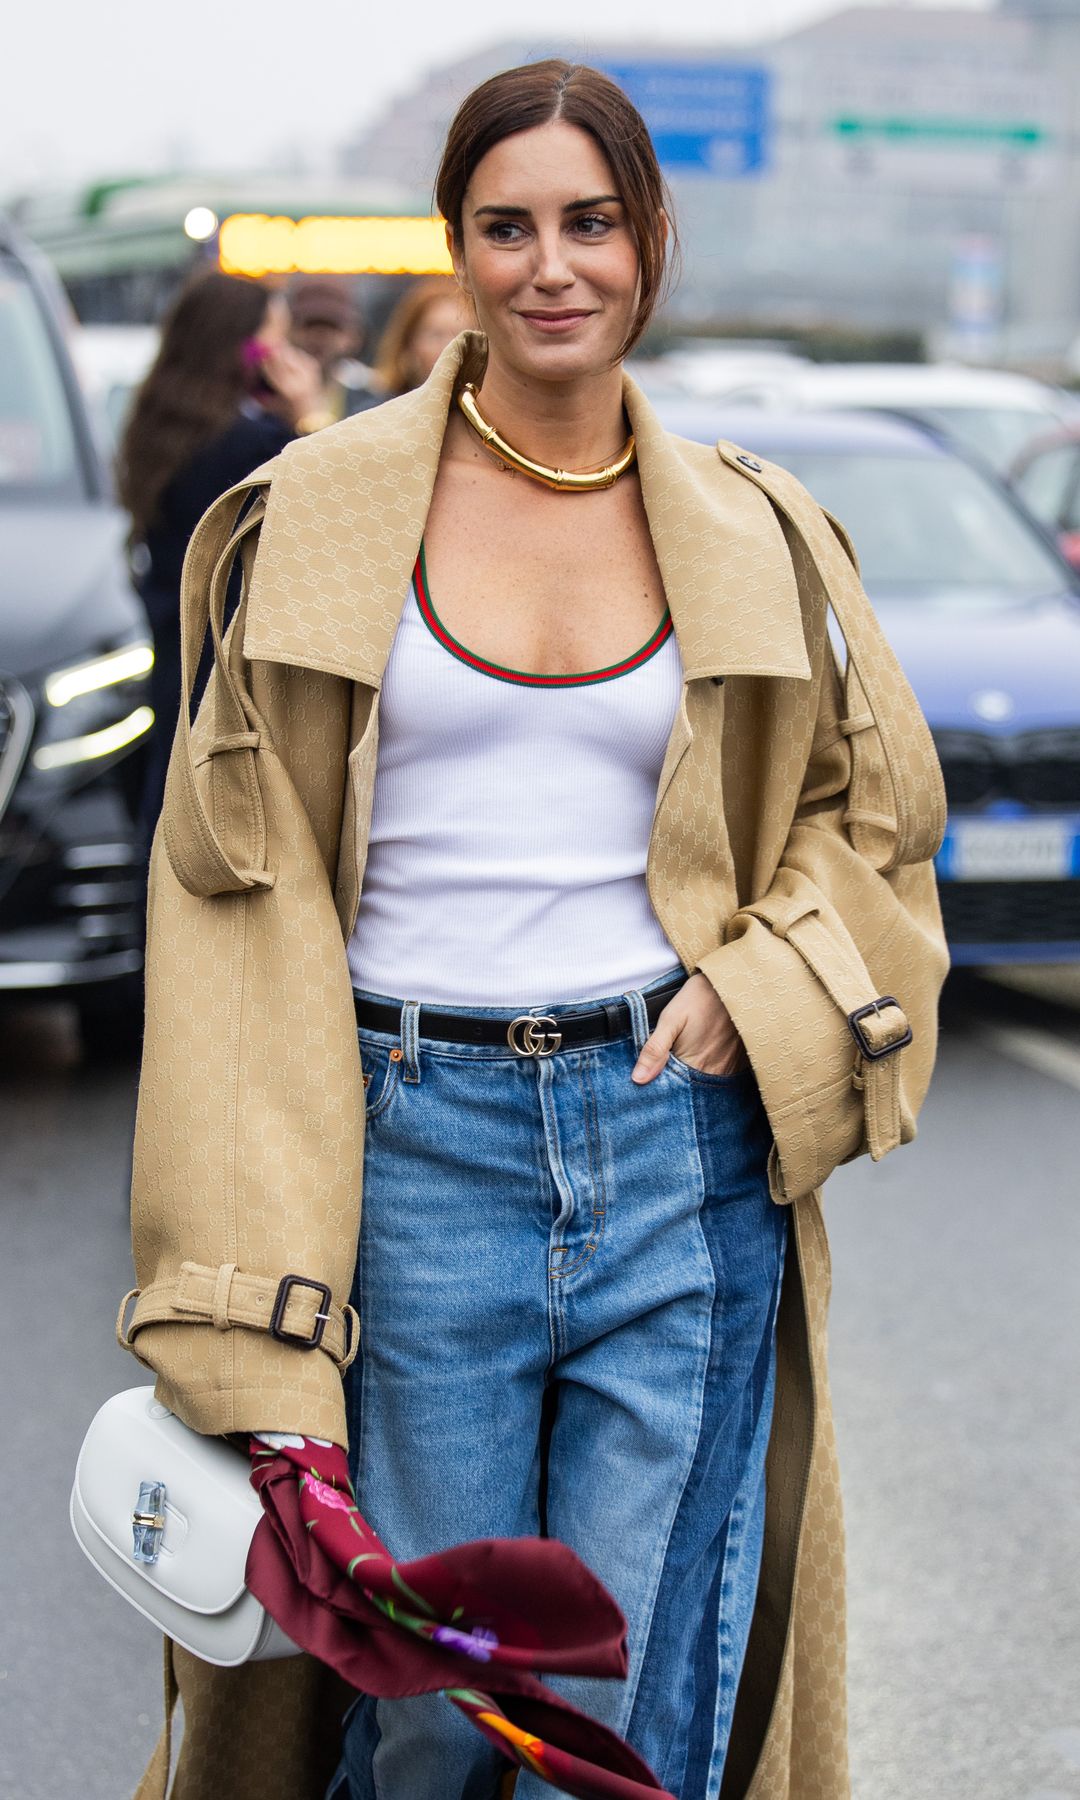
(533, 1041)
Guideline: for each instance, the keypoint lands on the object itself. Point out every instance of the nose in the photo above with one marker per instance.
(552, 272)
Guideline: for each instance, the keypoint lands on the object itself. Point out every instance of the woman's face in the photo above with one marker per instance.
(547, 255)
(437, 326)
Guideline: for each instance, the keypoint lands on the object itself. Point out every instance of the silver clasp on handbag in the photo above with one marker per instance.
(148, 1521)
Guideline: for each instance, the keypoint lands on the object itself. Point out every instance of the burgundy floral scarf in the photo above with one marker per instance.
(474, 1622)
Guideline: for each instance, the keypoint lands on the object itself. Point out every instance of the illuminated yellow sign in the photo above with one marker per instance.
(256, 244)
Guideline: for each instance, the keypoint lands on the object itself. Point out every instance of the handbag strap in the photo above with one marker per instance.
(217, 847)
(877, 696)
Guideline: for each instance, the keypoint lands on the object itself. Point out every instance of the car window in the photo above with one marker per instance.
(996, 433)
(1045, 482)
(38, 454)
(928, 525)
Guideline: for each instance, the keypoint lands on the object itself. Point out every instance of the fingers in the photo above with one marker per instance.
(654, 1051)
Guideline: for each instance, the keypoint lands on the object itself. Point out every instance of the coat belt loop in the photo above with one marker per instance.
(219, 1312)
(122, 1337)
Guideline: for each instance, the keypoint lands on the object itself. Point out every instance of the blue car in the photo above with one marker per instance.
(984, 615)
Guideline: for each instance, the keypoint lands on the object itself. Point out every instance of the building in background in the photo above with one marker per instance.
(884, 168)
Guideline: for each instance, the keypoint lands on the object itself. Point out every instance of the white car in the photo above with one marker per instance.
(111, 362)
(992, 412)
(708, 368)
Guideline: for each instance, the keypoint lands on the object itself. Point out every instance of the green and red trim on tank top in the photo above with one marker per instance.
(523, 677)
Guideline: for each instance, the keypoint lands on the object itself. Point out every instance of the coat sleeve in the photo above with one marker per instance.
(249, 1129)
(830, 934)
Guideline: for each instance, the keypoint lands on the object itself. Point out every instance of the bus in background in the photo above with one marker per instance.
(123, 248)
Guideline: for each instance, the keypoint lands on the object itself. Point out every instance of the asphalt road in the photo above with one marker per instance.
(956, 1357)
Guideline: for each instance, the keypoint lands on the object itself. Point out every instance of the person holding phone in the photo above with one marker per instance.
(226, 392)
(325, 320)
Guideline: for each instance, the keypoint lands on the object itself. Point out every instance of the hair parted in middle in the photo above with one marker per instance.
(538, 94)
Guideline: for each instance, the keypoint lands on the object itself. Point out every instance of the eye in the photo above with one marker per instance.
(594, 225)
(504, 231)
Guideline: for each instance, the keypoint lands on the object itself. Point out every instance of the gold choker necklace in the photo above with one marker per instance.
(563, 480)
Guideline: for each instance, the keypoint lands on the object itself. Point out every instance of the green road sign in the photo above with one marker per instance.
(960, 133)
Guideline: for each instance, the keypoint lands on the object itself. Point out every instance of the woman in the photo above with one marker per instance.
(548, 783)
(226, 393)
(428, 316)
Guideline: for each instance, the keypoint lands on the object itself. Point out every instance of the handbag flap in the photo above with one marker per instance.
(211, 1510)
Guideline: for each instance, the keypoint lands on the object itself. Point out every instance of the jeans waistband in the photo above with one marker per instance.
(576, 1024)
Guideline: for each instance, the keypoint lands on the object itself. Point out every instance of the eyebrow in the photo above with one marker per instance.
(522, 212)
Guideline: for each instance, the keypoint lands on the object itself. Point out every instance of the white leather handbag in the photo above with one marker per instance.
(167, 1516)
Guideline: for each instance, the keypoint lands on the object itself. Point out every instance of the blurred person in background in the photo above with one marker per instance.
(428, 316)
(325, 321)
(225, 393)
(552, 739)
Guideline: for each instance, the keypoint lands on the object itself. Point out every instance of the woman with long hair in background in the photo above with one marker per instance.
(225, 393)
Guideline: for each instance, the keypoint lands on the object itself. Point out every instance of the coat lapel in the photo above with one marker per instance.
(725, 563)
(346, 514)
(342, 531)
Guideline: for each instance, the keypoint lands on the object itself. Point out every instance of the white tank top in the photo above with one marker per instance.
(511, 824)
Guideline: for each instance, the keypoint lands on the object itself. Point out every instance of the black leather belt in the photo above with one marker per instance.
(529, 1034)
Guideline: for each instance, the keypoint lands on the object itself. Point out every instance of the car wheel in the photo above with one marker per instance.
(111, 1020)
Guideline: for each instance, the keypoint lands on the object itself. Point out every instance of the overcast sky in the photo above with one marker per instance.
(138, 85)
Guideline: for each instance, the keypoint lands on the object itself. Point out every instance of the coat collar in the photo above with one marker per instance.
(346, 514)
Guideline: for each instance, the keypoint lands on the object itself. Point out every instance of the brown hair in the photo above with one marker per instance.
(538, 93)
(393, 362)
(193, 390)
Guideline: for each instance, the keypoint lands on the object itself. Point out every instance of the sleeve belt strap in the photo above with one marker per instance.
(225, 1297)
(844, 976)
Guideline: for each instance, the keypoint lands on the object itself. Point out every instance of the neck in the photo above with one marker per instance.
(567, 425)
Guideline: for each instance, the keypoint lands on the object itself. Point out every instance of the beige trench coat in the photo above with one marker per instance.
(795, 821)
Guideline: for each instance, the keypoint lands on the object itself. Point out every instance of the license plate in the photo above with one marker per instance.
(1013, 850)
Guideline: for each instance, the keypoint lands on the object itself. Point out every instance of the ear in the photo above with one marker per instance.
(453, 245)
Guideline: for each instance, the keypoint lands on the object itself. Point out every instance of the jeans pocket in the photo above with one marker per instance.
(381, 1066)
(687, 1070)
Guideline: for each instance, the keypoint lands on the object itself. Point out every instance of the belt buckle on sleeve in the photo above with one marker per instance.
(865, 1048)
(281, 1300)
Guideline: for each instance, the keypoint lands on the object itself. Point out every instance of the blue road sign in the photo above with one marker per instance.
(707, 116)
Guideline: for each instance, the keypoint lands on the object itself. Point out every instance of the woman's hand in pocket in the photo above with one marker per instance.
(697, 1026)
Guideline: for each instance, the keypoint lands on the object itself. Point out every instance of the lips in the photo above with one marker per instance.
(555, 321)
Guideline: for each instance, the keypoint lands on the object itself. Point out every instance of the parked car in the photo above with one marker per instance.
(991, 413)
(75, 654)
(985, 617)
(111, 362)
(1047, 478)
(708, 368)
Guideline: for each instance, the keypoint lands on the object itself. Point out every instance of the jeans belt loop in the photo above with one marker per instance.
(410, 1041)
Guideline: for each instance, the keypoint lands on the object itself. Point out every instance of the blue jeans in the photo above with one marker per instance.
(567, 1287)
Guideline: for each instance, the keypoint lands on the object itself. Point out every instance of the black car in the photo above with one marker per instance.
(75, 654)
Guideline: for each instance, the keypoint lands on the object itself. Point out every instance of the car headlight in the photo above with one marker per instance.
(95, 743)
(105, 671)
(94, 708)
